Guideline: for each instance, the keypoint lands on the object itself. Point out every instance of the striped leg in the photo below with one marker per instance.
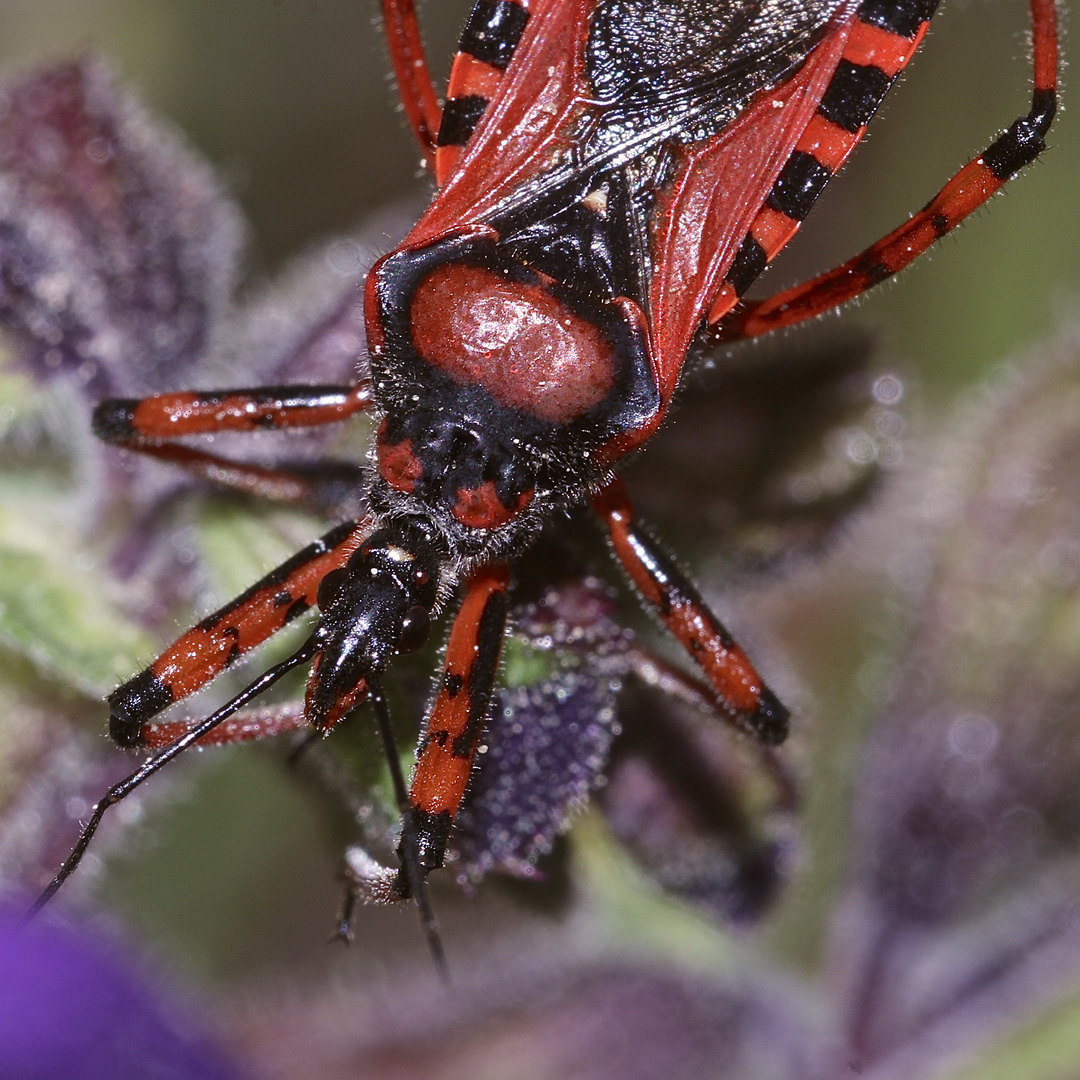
(255, 723)
(150, 426)
(486, 49)
(415, 88)
(738, 689)
(208, 648)
(445, 756)
(840, 120)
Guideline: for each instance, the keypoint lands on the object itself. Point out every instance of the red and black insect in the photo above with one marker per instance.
(613, 175)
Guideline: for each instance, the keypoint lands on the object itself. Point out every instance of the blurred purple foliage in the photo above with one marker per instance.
(119, 252)
(541, 1017)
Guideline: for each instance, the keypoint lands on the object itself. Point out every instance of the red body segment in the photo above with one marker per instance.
(398, 465)
(482, 508)
(710, 206)
(530, 350)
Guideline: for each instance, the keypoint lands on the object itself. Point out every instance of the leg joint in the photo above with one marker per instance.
(1025, 140)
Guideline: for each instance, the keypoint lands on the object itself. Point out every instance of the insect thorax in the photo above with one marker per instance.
(499, 390)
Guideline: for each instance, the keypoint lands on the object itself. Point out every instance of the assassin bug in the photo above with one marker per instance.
(613, 175)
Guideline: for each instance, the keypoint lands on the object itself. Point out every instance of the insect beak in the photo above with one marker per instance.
(357, 637)
(374, 608)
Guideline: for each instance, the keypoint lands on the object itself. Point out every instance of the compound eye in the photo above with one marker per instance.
(329, 588)
(414, 629)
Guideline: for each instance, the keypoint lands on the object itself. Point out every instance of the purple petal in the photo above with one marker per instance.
(547, 749)
(70, 1009)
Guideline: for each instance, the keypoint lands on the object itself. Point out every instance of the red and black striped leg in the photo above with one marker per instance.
(195, 734)
(245, 726)
(972, 186)
(415, 88)
(673, 681)
(738, 688)
(487, 46)
(208, 648)
(151, 425)
(444, 758)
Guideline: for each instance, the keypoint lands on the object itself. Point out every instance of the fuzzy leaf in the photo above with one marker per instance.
(57, 619)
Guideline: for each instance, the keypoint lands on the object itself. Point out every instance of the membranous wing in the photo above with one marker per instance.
(683, 69)
(654, 73)
(591, 86)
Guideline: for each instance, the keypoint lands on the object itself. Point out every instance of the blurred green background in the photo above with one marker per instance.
(293, 103)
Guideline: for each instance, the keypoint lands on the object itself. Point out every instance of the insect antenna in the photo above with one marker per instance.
(303, 744)
(151, 765)
(410, 851)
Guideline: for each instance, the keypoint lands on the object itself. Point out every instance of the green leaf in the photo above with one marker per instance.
(240, 544)
(54, 614)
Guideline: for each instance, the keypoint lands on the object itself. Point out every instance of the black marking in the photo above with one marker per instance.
(113, 421)
(1043, 107)
(801, 181)
(282, 573)
(602, 256)
(770, 721)
(493, 31)
(459, 119)
(940, 224)
(903, 17)
(432, 833)
(296, 609)
(284, 597)
(234, 651)
(453, 684)
(489, 639)
(854, 94)
(132, 705)
(440, 738)
(1025, 139)
(692, 62)
(874, 270)
(749, 261)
